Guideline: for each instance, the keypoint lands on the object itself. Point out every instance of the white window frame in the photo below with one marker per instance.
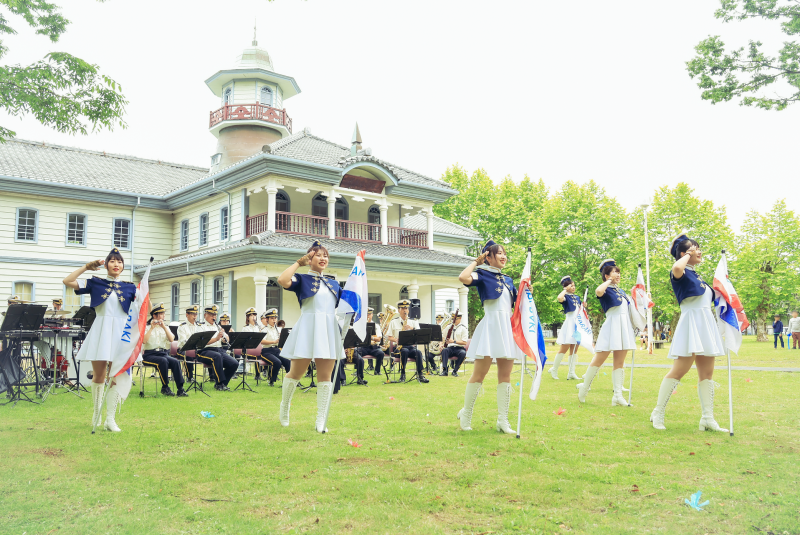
(224, 223)
(269, 90)
(23, 281)
(35, 226)
(114, 232)
(192, 300)
(219, 300)
(288, 201)
(85, 230)
(66, 292)
(175, 309)
(450, 306)
(273, 283)
(200, 242)
(181, 245)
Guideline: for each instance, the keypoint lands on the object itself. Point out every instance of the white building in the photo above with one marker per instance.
(223, 235)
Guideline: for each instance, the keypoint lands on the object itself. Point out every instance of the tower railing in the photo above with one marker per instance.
(250, 112)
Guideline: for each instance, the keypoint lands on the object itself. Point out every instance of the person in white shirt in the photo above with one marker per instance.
(222, 366)
(794, 330)
(185, 331)
(402, 323)
(156, 341)
(456, 346)
(269, 346)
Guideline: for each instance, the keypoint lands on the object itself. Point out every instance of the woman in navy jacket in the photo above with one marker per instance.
(696, 340)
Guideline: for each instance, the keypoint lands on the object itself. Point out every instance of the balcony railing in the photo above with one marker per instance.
(249, 112)
(309, 225)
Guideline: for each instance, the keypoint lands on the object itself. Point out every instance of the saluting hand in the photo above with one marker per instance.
(304, 260)
(94, 265)
(481, 258)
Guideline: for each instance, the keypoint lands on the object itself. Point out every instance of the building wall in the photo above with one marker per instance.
(212, 206)
(448, 247)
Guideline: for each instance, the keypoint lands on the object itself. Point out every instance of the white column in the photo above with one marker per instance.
(430, 228)
(261, 292)
(413, 290)
(463, 308)
(331, 215)
(384, 224)
(271, 192)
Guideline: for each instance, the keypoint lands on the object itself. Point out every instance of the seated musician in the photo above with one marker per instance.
(358, 360)
(456, 346)
(373, 350)
(222, 366)
(402, 323)
(156, 340)
(435, 349)
(185, 331)
(58, 304)
(269, 344)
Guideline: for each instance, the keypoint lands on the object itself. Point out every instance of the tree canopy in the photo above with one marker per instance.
(61, 91)
(745, 73)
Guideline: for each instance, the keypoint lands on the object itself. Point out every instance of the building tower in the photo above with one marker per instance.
(252, 113)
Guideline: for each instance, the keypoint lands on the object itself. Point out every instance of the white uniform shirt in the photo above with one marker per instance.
(205, 326)
(397, 325)
(158, 338)
(378, 333)
(270, 333)
(251, 329)
(186, 330)
(460, 334)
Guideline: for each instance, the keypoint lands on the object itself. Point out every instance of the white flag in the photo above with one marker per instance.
(355, 296)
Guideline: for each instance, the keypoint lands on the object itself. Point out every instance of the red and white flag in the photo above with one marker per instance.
(640, 299)
(127, 347)
(527, 328)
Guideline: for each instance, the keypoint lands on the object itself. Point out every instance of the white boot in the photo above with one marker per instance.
(668, 386)
(705, 390)
(617, 376)
(113, 400)
(324, 392)
(586, 385)
(622, 382)
(289, 386)
(573, 360)
(503, 401)
(465, 414)
(556, 362)
(97, 399)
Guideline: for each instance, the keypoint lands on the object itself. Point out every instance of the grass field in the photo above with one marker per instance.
(593, 469)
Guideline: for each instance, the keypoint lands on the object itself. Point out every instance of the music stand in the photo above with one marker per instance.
(174, 329)
(227, 328)
(245, 341)
(19, 318)
(413, 338)
(86, 315)
(195, 343)
(436, 336)
(352, 340)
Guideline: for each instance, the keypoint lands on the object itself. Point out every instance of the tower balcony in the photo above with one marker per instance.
(253, 114)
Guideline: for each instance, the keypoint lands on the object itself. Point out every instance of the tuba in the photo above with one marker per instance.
(389, 312)
(437, 347)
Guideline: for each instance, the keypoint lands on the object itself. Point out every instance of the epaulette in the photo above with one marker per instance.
(184, 323)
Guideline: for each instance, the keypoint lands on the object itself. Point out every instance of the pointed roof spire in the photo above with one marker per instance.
(355, 143)
(255, 22)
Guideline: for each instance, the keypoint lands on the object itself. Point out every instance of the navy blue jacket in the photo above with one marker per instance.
(571, 303)
(613, 297)
(777, 327)
(690, 285)
(101, 289)
(306, 286)
(490, 285)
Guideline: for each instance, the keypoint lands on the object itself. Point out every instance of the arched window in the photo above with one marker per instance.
(319, 207)
(403, 293)
(266, 96)
(227, 96)
(282, 203)
(374, 215)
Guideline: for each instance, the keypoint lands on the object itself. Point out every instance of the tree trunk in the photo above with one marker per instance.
(761, 326)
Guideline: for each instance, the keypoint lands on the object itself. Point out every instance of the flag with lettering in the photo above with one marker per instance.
(730, 311)
(355, 296)
(583, 327)
(127, 347)
(527, 328)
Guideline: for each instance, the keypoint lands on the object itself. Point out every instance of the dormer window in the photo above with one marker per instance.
(266, 96)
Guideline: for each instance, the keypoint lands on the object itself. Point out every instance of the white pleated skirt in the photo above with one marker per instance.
(567, 329)
(105, 333)
(616, 334)
(316, 334)
(697, 331)
(493, 336)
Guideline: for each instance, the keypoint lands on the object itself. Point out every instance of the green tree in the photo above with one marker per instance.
(766, 269)
(61, 91)
(671, 212)
(745, 73)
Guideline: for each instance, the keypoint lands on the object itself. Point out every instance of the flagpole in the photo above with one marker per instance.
(730, 393)
(630, 388)
(103, 396)
(335, 373)
(647, 269)
(522, 377)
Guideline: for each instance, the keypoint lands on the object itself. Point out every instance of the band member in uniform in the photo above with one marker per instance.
(374, 350)
(316, 334)
(58, 304)
(269, 345)
(251, 326)
(402, 323)
(111, 299)
(435, 348)
(456, 346)
(571, 303)
(616, 334)
(222, 366)
(185, 330)
(493, 338)
(696, 340)
(156, 341)
(225, 320)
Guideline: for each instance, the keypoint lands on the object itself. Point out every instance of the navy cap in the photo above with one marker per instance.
(607, 262)
(673, 247)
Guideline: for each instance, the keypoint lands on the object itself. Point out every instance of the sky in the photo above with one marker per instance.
(561, 91)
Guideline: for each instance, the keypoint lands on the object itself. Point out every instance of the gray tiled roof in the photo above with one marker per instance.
(443, 226)
(94, 169)
(304, 146)
(291, 242)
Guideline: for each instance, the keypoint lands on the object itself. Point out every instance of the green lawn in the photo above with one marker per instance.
(594, 469)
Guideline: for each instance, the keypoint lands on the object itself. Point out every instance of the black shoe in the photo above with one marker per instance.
(370, 368)
(443, 374)
(182, 393)
(221, 387)
(258, 377)
(272, 383)
(455, 373)
(362, 382)
(403, 377)
(421, 378)
(377, 371)
(166, 391)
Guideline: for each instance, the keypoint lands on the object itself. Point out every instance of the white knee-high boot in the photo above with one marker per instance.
(573, 360)
(324, 392)
(556, 362)
(113, 400)
(465, 414)
(668, 386)
(617, 376)
(622, 382)
(289, 386)
(705, 391)
(586, 385)
(97, 400)
(503, 401)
